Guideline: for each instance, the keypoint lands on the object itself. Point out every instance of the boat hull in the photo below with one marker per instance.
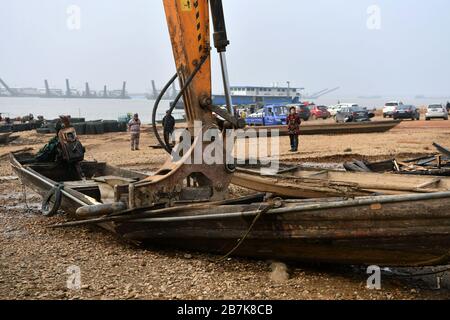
(404, 230)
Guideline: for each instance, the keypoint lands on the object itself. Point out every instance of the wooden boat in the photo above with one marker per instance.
(4, 138)
(334, 128)
(394, 230)
(302, 182)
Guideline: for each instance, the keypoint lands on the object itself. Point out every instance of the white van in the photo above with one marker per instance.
(390, 108)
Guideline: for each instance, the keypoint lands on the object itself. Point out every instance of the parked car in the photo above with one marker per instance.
(270, 115)
(390, 108)
(406, 112)
(302, 110)
(336, 108)
(436, 111)
(319, 112)
(353, 114)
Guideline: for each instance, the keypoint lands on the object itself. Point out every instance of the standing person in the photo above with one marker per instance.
(293, 122)
(168, 123)
(135, 129)
(448, 106)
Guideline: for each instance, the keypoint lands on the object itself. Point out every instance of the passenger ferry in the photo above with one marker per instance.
(246, 95)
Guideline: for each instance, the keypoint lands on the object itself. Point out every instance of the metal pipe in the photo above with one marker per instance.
(202, 217)
(303, 208)
(226, 83)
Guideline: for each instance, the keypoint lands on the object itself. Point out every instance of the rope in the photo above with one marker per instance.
(261, 212)
(405, 275)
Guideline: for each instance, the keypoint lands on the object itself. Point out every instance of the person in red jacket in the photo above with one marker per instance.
(293, 122)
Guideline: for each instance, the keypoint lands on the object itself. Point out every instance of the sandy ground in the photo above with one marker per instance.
(34, 260)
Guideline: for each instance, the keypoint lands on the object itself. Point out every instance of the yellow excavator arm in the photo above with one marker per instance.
(188, 22)
(185, 180)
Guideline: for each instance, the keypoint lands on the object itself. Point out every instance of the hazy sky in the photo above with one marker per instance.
(314, 44)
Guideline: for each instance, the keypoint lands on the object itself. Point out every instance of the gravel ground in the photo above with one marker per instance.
(35, 260)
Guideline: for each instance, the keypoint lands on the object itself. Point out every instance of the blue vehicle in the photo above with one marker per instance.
(270, 115)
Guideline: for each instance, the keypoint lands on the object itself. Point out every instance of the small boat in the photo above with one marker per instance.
(392, 230)
(303, 182)
(6, 138)
(330, 128)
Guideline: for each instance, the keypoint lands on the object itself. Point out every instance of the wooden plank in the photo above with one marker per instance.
(430, 183)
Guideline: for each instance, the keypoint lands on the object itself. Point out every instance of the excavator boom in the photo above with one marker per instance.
(182, 178)
(188, 22)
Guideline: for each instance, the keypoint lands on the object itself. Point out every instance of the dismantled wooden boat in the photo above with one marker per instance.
(6, 138)
(395, 230)
(303, 182)
(428, 165)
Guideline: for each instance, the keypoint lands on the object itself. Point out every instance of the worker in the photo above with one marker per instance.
(168, 123)
(448, 106)
(134, 126)
(293, 122)
(49, 153)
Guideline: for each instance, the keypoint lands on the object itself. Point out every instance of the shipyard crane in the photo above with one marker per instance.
(8, 89)
(184, 180)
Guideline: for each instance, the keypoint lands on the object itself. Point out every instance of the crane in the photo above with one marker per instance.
(182, 178)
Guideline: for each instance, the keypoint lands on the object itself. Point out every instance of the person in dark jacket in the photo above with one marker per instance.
(168, 123)
(293, 122)
(448, 106)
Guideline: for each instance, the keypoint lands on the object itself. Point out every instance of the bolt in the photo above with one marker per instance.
(205, 101)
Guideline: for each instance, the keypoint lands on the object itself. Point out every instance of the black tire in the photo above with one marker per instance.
(111, 126)
(427, 119)
(80, 128)
(50, 208)
(5, 128)
(77, 120)
(99, 128)
(122, 126)
(90, 128)
(43, 130)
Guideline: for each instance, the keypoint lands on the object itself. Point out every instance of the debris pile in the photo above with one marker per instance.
(436, 164)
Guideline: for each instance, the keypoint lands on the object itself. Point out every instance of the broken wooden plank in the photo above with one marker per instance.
(429, 183)
(396, 166)
(442, 149)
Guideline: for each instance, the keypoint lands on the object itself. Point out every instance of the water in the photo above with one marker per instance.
(91, 109)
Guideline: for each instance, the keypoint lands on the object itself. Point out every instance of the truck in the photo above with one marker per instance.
(270, 115)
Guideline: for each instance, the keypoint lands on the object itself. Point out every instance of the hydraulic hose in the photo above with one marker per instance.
(155, 109)
(172, 107)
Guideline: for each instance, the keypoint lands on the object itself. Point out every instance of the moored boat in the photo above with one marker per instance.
(395, 230)
(303, 182)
